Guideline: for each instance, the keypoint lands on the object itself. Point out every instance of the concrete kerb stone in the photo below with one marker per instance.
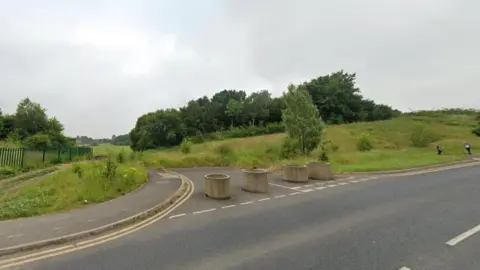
(181, 192)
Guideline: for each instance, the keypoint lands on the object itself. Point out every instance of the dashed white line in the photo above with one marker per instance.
(342, 183)
(332, 185)
(205, 211)
(245, 203)
(309, 185)
(228, 206)
(295, 188)
(294, 193)
(14, 236)
(463, 236)
(264, 199)
(354, 181)
(177, 216)
(279, 196)
(404, 268)
(320, 188)
(307, 190)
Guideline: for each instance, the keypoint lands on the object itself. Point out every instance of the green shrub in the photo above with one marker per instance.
(186, 146)
(290, 148)
(324, 151)
(6, 172)
(77, 170)
(364, 143)
(110, 169)
(121, 157)
(422, 138)
(476, 131)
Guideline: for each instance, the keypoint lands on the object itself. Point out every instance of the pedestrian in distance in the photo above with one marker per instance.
(468, 147)
(439, 150)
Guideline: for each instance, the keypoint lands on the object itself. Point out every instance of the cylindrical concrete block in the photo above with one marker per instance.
(217, 186)
(295, 173)
(319, 171)
(255, 181)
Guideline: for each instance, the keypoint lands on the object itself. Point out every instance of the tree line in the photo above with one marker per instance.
(123, 139)
(335, 96)
(31, 127)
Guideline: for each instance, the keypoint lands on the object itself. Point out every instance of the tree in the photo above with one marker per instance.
(30, 118)
(256, 106)
(234, 109)
(301, 119)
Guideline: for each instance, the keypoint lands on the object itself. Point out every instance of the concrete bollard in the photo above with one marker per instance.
(255, 181)
(319, 171)
(295, 173)
(217, 186)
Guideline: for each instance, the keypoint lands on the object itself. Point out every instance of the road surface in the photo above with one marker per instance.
(427, 222)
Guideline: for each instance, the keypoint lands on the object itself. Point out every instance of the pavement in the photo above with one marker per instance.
(424, 221)
(28, 230)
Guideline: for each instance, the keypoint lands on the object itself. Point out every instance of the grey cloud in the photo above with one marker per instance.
(410, 54)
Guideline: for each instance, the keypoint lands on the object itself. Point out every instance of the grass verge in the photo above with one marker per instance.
(73, 187)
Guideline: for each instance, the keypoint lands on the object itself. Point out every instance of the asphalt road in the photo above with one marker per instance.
(386, 223)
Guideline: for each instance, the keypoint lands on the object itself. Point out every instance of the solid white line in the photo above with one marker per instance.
(294, 188)
(245, 203)
(205, 211)
(294, 193)
(228, 206)
(307, 190)
(176, 216)
(264, 199)
(279, 196)
(332, 185)
(463, 236)
(320, 188)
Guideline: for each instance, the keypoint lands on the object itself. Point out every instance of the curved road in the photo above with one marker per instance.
(386, 223)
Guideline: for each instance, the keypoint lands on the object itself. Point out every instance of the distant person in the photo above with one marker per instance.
(468, 148)
(439, 149)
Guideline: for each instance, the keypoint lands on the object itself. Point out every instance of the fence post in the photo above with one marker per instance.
(43, 155)
(23, 158)
(70, 154)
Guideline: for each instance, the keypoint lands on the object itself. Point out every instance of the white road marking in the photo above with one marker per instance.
(264, 199)
(245, 203)
(307, 190)
(294, 188)
(205, 211)
(228, 206)
(177, 216)
(309, 185)
(294, 193)
(91, 220)
(279, 196)
(57, 228)
(332, 185)
(14, 236)
(342, 183)
(354, 181)
(320, 188)
(463, 236)
(404, 268)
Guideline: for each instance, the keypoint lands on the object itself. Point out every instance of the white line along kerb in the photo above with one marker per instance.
(463, 236)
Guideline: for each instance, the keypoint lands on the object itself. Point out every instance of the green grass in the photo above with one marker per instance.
(72, 187)
(108, 149)
(392, 146)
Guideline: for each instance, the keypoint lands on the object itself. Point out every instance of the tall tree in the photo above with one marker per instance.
(30, 118)
(256, 105)
(301, 119)
(234, 109)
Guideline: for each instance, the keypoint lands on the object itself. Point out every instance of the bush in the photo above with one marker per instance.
(422, 138)
(7, 171)
(324, 151)
(110, 169)
(290, 148)
(186, 146)
(38, 141)
(364, 143)
(476, 131)
(77, 170)
(121, 157)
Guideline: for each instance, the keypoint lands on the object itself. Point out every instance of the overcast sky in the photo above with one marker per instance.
(98, 65)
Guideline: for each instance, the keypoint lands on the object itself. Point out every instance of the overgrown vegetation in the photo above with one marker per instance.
(233, 114)
(31, 127)
(74, 187)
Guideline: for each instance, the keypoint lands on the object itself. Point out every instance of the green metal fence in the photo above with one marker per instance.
(23, 157)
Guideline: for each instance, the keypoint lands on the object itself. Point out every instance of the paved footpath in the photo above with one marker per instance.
(27, 230)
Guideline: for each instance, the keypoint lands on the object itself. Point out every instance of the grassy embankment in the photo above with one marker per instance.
(392, 146)
(71, 187)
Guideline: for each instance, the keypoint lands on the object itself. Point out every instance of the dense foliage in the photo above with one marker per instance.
(115, 140)
(335, 95)
(31, 127)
